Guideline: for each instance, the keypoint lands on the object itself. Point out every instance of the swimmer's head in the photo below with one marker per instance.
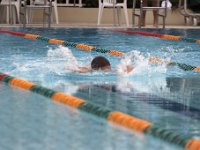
(100, 62)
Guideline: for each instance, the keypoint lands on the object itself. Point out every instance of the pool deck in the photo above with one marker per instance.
(83, 25)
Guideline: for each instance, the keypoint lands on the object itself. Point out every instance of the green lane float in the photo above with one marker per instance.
(186, 141)
(182, 66)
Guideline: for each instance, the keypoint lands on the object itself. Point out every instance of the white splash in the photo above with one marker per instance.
(61, 59)
(66, 87)
(145, 77)
(156, 84)
(140, 64)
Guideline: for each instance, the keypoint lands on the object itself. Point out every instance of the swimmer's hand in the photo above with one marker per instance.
(129, 69)
(170, 63)
(122, 70)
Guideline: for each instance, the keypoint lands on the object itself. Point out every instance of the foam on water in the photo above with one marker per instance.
(140, 64)
(61, 60)
(142, 84)
(145, 77)
(58, 61)
(66, 87)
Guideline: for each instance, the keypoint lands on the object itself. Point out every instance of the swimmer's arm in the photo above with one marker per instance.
(83, 69)
(80, 69)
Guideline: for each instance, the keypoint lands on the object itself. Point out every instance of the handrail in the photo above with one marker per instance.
(142, 8)
(185, 8)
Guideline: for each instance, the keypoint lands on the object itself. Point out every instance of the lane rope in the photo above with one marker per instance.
(64, 43)
(186, 141)
(182, 66)
(163, 36)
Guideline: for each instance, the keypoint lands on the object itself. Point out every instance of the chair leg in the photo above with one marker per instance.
(187, 20)
(67, 2)
(18, 13)
(56, 14)
(126, 16)
(100, 15)
(163, 23)
(118, 15)
(133, 18)
(194, 21)
(26, 15)
(7, 14)
(80, 3)
(29, 16)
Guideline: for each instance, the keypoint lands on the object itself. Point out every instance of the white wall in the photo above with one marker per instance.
(72, 15)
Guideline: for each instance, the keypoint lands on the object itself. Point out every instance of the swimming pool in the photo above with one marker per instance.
(168, 97)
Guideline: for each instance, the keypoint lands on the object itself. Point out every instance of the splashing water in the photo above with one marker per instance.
(66, 87)
(140, 64)
(61, 60)
(142, 84)
(145, 77)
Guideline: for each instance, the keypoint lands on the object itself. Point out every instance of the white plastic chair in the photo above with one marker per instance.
(45, 6)
(112, 4)
(41, 2)
(16, 5)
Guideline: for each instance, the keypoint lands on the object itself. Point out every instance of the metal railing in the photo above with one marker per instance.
(183, 9)
(143, 8)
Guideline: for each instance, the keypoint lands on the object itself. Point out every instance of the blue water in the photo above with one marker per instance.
(166, 96)
(30, 121)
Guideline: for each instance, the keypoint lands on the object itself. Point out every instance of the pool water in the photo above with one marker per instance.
(166, 96)
(31, 121)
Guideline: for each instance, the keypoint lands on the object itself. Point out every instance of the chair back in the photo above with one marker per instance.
(39, 2)
(109, 1)
(42, 2)
(7, 2)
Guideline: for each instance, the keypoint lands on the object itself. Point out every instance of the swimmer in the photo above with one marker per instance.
(100, 63)
(103, 64)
